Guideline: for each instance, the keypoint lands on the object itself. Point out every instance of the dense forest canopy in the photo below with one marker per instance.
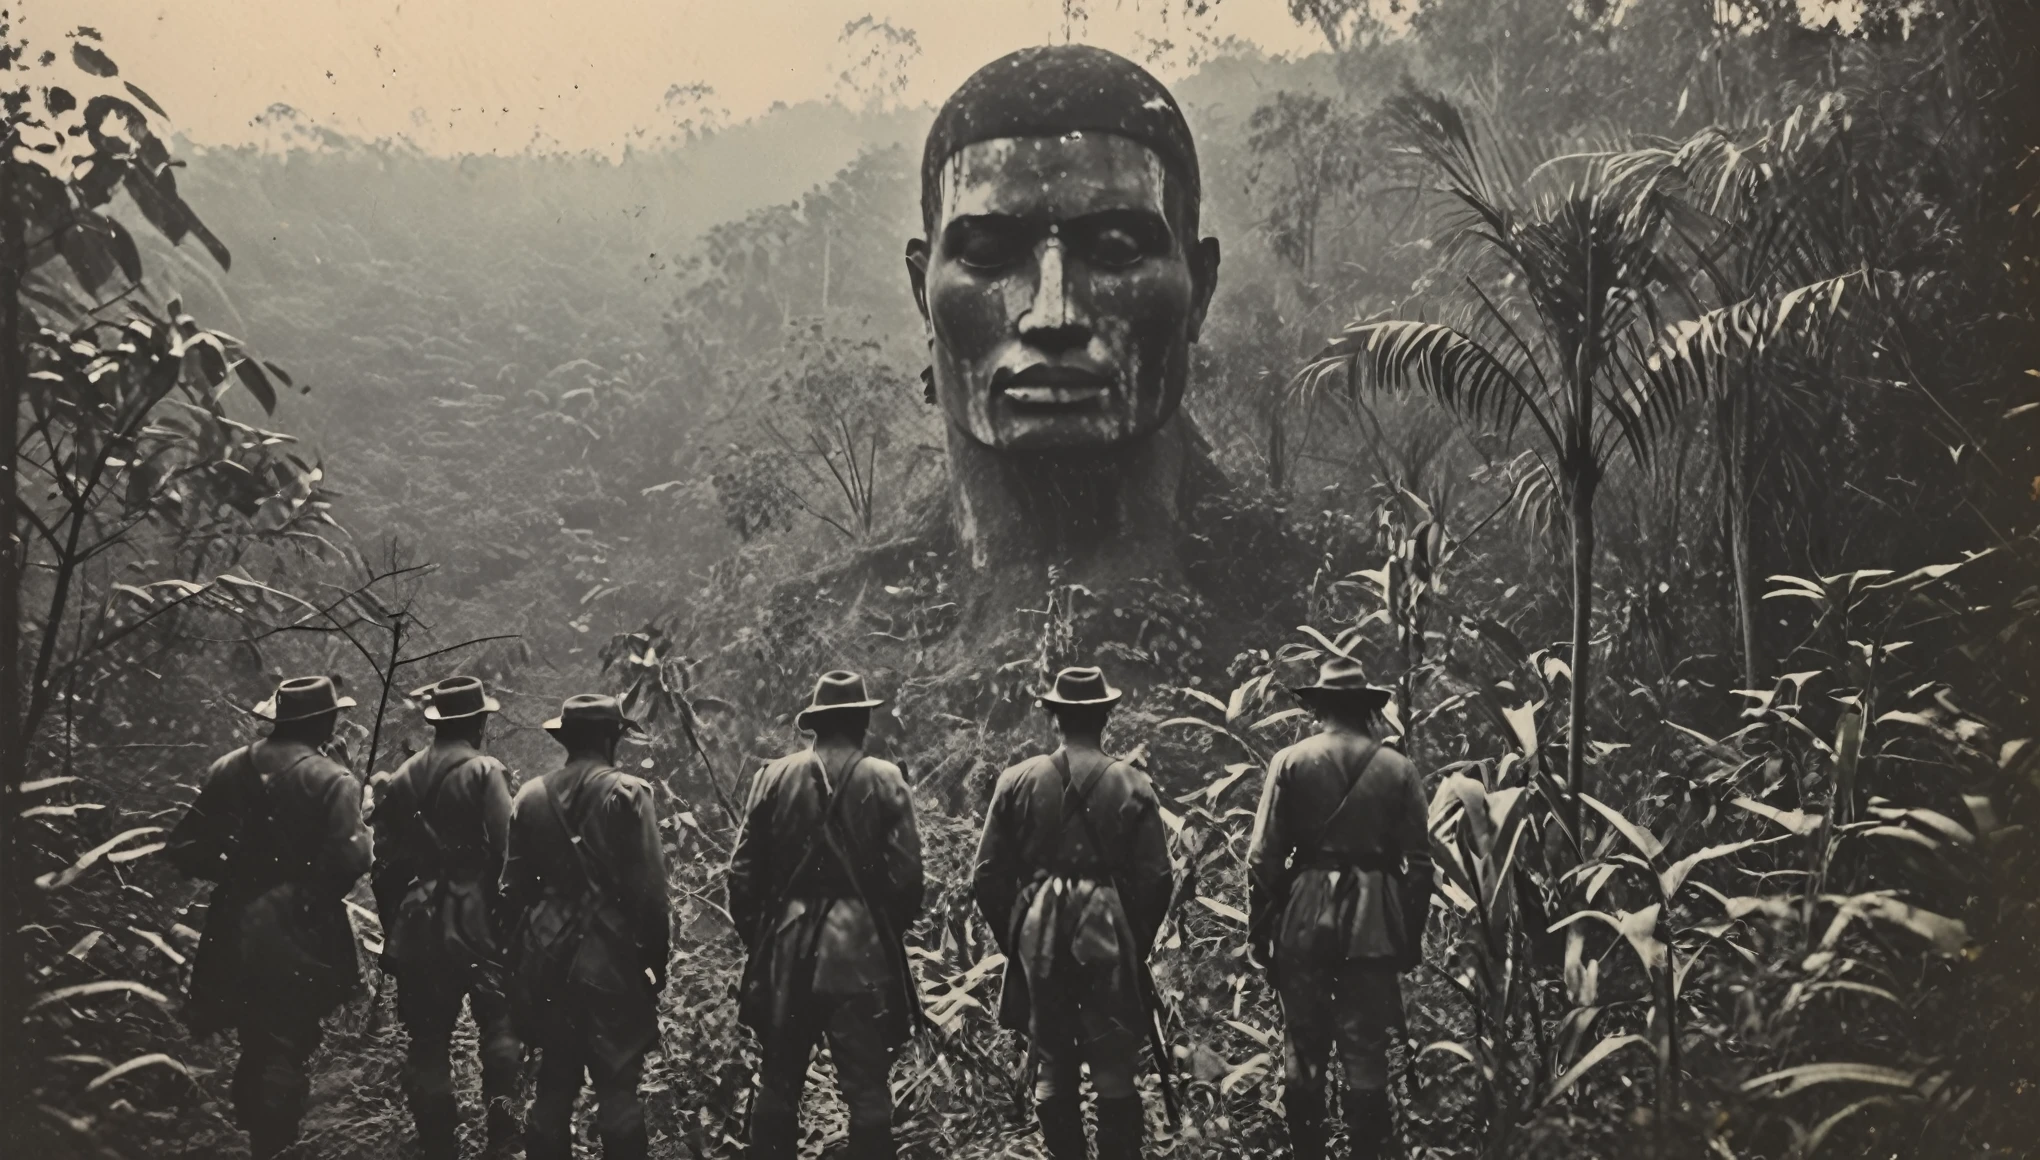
(1646, 389)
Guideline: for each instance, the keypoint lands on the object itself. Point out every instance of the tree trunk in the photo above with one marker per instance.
(1667, 1050)
(13, 745)
(1745, 585)
(1278, 446)
(1736, 488)
(1582, 501)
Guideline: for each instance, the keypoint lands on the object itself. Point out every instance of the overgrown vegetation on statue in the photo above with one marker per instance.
(1733, 799)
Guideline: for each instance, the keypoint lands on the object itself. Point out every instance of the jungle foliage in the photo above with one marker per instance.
(1672, 452)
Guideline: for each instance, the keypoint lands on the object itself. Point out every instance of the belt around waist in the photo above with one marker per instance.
(1373, 861)
(1094, 873)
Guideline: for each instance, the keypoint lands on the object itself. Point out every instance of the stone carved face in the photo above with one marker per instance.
(1060, 296)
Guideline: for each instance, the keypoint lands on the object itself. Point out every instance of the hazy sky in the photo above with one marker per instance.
(484, 75)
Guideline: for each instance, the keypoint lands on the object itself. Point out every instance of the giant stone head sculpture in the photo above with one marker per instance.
(1062, 277)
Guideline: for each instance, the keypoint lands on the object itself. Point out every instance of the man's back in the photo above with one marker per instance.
(441, 826)
(1088, 817)
(1340, 793)
(617, 858)
(462, 795)
(272, 815)
(871, 810)
(274, 812)
(1073, 862)
(1340, 860)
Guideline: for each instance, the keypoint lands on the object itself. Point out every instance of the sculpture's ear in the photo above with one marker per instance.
(1203, 280)
(917, 272)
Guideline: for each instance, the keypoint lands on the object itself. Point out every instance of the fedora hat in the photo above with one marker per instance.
(592, 709)
(838, 689)
(1078, 685)
(1343, 677)
(457, 698)
(302, 697)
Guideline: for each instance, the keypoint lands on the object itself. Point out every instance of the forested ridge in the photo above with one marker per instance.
(1649, 392)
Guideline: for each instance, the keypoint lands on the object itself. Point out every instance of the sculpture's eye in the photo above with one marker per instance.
(1115, 248)
(987, 245)
(1121, 240)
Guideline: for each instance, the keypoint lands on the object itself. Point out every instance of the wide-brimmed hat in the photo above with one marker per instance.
(592, 709)
(1078, 685)
(1343, 678)
(302, 697)
(457, 698)
(837, 689)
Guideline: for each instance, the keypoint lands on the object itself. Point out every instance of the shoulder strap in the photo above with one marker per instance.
(263, 819)
(421, 807)
(592, 878)
(824, 830)
(1346, 799)
(1061, 758)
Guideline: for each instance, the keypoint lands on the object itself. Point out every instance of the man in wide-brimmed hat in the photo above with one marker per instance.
(584, 899)
(825, 881)
(1340, 883)
(1073, 877)
(441, 824)
(277, 828)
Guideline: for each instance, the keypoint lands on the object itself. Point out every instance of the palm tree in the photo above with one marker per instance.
(1572, 339)
(1577, 268)
(1756, 219)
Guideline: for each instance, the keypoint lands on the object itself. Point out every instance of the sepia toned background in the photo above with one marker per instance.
(569, 346)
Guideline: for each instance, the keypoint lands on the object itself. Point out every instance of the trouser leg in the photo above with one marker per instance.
(549, 1133)
(619, 1111)
(1369, 1011)
(270, 1082)
(429, 1007)
(1112, 1048)
(1058, 1099)
(1122, 1128)
(782, 1073)
(1057, 1042)
(502, 1068)
(863, 1073)
(1306, 1052)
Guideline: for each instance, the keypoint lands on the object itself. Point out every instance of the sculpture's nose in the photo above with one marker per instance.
(1049, 322)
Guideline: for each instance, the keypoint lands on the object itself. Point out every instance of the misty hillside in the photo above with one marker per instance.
(624, 314)
(1646, 394)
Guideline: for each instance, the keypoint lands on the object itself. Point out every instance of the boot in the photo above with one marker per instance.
(1303, 1111)
(871, 1142)
(505, 1130)
(630, 1144)
(438, 1120)
(775, 1128)
(1122, 1128)
(1307, 1135)
(266, 1141)
(1370, 1124)
(1062, 1129)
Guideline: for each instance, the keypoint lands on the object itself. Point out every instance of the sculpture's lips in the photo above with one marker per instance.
(1048, 385)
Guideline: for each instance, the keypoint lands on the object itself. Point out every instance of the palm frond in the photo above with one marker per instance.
(1459, 372)
(1701, 348)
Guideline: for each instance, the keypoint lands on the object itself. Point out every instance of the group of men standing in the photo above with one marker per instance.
(1062, 281)
(546, 911)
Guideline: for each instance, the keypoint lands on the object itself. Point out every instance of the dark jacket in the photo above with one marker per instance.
(1340, 864)
(1040, 826)
(811, 925)
(441, 828)
(588, 929)
(277, 827)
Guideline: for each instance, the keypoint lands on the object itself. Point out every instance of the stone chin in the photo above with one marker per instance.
(1005, 426)
(1055, 419)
